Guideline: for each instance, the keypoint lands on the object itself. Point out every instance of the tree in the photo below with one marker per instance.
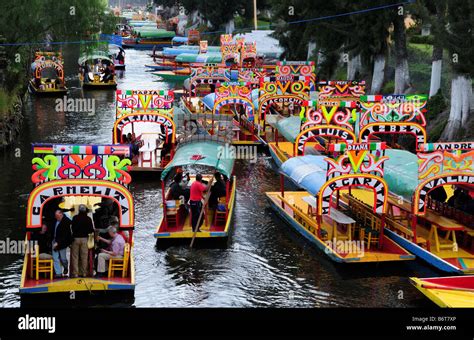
(460, 43)
(402, 72)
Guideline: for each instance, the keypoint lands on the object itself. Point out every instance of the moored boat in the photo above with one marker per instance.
(452, 292)
(67, 177)
(348, 233)
(144, 119)
(48, 74)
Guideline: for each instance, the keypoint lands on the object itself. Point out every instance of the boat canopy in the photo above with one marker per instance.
(180, 39)
(212, 57)
(94, 55)
(289, 127)
(307, 172)
(209, 99)
(154, 33)
(401, 172)
(201, 153)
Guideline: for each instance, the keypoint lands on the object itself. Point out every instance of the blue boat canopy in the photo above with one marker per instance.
(201, 153)
(180, 39)
(307, 172)
(289, 127)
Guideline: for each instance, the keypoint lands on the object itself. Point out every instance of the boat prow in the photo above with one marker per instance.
(452, 291)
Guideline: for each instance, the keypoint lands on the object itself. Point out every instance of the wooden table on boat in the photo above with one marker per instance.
(336, 216)
(436, 221)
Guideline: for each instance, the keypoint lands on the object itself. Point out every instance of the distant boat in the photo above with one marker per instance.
(48, 74)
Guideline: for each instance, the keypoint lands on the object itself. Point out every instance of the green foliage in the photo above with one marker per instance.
(389, 87)
(419, 39)
(435, 105)
(435, 133)
(459, 39)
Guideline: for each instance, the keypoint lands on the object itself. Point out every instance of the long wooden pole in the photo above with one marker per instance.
(206, 199)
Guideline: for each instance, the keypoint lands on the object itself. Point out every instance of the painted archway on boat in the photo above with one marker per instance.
(421, 193)
(45, 60)
(79, 187)
(377, 184)
(267, 101)
(401, 128)
(146, 117)
(322, 131)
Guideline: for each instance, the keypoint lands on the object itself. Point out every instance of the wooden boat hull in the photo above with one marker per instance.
(100, 85)
(87, 284)
(321, 245)
(454, 291)
(172, 76)
(119, 66)
(187, 235)
(278, 156)
(47, 92)
(147, 46)
(425, 255)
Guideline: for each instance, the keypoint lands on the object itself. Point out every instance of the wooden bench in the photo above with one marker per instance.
(400, 229)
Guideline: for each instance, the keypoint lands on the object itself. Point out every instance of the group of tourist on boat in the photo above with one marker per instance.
(77, 234)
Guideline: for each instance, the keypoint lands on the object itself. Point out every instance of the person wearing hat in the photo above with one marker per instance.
(81, 228)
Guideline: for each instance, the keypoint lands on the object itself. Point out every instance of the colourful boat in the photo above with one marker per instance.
(66, 176)
(48, 74)
(203, 156)
(97, 70)
(146, 38)
(118, 56)
(179, 75)
(452, 292)
(351, 232)
(144, 119)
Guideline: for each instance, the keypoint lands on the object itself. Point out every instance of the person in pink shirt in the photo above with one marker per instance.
(198, 188)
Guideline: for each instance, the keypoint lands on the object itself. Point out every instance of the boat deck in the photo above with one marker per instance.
(461, 257)
(354, 251)
(67, 285)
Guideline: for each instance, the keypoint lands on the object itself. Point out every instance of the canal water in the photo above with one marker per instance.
(265, 265)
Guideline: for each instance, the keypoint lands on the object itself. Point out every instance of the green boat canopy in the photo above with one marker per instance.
(154, 33)
(401, 172)
(94, 55)
(201, 153)
(209, 58)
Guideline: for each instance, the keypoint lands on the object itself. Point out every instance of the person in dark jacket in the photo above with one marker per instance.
(218, 190)
(61, 239)
(81, 228)
(43, 240)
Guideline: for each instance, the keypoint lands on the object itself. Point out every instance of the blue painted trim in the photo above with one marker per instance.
(423, 254)
(158, 235)
(275, 157)
(218, 234)
(33, 290)
(295, 225)
(120, 287)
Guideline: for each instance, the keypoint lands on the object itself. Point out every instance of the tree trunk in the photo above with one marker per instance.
(402, 72)
(311, 50)
(354, 67)
(461, 93)
(378, 74)
(229, 27)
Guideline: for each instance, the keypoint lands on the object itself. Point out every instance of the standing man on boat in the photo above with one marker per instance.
(195, 201)
(81, 228)
(62, 239)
